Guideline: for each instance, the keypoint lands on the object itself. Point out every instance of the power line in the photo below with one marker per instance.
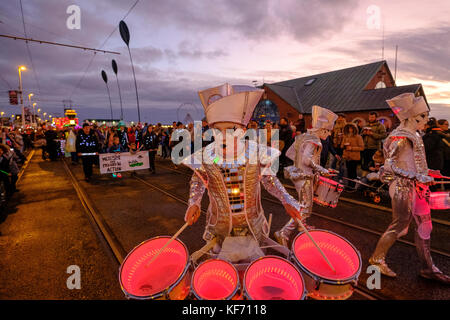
(56, 43)
(28, 48)
(104, 42)
(9, 86)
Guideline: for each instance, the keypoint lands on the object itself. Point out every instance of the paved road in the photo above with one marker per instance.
(134, 212)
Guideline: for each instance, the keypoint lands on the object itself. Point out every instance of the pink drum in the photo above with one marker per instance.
(216, 279)
(273, 278)
(321, 282)
(440, 200)
(166, 278)
(327, 192)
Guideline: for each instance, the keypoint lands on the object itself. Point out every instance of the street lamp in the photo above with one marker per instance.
(21, 68)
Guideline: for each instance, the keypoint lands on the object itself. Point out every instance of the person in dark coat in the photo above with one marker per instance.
(51, 137)
(327, 146)
(286, 137)
(151, 143)
(87, 148)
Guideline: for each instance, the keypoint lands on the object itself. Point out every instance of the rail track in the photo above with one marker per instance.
(113, 245)
(351, 225)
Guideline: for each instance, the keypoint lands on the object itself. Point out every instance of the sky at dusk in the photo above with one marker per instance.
(180, 47)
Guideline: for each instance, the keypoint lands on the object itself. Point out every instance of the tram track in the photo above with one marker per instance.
(107, 236)
(347, 224)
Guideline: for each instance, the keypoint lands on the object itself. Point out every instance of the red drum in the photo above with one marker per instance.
(327, 192)
(440, 200)
(216, 279)
(321, 282)
(166, 278)
(273, 278)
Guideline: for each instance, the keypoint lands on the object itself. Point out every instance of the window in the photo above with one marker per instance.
(266, 110)
(310, 82)
(380, 85)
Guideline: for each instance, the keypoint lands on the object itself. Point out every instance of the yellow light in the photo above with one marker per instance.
(34, 104)
(39, 110)
(235, 190)
(30, 95)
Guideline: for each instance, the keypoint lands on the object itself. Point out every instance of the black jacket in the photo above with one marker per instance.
(151, 141)
(434, 149)
(87, 143)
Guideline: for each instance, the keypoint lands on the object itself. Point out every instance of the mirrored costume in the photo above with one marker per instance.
(234, 186)
(406, 171)
(305, 152)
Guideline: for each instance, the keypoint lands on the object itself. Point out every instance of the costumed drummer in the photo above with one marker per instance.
(305, 152)
(232, 171)
(405, 169)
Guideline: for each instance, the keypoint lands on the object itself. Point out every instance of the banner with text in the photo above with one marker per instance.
(124, 161)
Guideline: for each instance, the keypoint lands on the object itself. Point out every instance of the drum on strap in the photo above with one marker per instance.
(273, 278)
(166, 278)
(320, 280)
(327, 192)
(216, 279)
(440, 200)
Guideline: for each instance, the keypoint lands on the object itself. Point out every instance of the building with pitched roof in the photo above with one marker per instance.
(353, 91)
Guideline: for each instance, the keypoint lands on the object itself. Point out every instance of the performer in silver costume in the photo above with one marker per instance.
(406, 171)
(233, 177)
(305, 152)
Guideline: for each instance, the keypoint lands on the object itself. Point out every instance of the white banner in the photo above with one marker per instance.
(124, 161)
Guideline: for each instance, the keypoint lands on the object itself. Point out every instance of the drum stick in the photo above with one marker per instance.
(318, 248)
(167, 243)
(270, 221)
(441, 182)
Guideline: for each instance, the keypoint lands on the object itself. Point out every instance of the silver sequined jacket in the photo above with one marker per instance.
(234, 190)
(305, 152)
(405, 160)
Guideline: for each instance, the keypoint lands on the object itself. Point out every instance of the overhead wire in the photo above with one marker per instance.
(94, 55)
(28, 49)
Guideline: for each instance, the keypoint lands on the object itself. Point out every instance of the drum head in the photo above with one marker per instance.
(273, 278)
(141, 281)
(215, 280)
(341, 254)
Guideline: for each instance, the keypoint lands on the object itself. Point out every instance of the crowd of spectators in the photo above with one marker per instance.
(353, 149)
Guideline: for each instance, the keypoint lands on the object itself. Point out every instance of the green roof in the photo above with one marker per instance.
(339, 90)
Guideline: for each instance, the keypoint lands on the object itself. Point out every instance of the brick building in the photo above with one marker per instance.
(353, 91)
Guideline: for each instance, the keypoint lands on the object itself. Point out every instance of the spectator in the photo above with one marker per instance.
(434, 144)
(337, 136)
(151, 145)
(87, 148)
(443, 124)
(116, 147)
(373, 133)
(359, 126)
(5, 171)
(286, 138)
(11, 156)
(71, 147)
(352, 145)
(52, 147)
(165, 144)
(327, 147)
(300, 125)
